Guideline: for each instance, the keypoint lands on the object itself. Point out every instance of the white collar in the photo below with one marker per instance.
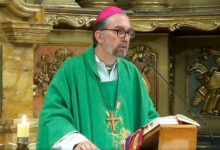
(106, 73)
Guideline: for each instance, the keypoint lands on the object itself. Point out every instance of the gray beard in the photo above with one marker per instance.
(115, 53)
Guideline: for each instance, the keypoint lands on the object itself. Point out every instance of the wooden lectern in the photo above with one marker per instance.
(171, 137)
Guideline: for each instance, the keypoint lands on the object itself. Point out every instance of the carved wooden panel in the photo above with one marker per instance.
(47, 60)
(147, 72)
(197, 80)
(204, 80)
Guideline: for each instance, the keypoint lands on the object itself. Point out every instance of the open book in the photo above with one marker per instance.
(177, 119)
(134, 140)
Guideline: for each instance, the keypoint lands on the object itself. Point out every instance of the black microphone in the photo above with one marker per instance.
(183, 100)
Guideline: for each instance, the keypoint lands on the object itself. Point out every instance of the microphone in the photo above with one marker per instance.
(183, 100)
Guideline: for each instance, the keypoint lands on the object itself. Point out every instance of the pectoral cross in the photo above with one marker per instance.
(113, 121)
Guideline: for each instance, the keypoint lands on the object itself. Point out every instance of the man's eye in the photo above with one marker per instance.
(121, 31)
(131, 32)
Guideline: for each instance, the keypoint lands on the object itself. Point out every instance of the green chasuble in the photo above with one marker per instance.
(109, 91)
(74, 102)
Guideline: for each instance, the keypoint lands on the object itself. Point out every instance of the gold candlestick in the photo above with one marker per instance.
(22, 143)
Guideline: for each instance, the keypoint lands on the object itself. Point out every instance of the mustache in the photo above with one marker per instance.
(124, 44)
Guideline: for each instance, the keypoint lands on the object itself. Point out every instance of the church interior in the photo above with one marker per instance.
(181, 38)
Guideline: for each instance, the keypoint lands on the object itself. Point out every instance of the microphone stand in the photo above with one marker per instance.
(213, 146)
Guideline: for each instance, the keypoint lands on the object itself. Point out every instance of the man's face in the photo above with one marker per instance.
(114, 45)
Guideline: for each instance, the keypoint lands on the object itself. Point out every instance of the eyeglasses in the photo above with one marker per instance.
(122, 33)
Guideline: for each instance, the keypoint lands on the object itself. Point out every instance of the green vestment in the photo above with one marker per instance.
(74, 102)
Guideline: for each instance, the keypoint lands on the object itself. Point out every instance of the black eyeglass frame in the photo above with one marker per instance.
(130, 33)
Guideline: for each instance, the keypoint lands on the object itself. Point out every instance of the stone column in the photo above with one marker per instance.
(22, 29)
(149, 5)
(96, 3)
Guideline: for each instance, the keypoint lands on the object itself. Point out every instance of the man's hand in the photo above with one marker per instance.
(87, 145)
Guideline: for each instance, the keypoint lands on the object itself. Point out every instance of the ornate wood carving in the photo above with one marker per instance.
(148, 74)
(147, 27)
(204, 67)
(140, 23)
(204, 26)
(48, 69)
(73, 21)
(173, 23)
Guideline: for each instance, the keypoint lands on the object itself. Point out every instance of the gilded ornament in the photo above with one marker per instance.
(48, 69)
(73, 21)
(208, 94)
(145, 52)
(204, 26)
(146, 27)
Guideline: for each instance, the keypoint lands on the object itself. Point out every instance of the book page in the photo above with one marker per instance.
(160, 121)
(177, 119)
(186, 120)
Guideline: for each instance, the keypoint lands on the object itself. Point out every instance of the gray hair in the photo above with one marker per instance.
(100, 25)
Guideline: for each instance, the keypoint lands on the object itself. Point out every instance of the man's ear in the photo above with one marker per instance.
(99, 36)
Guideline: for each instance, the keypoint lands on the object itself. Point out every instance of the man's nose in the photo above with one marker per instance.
(126, 38)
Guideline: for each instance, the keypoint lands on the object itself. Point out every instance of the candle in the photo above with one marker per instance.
(23, 128)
